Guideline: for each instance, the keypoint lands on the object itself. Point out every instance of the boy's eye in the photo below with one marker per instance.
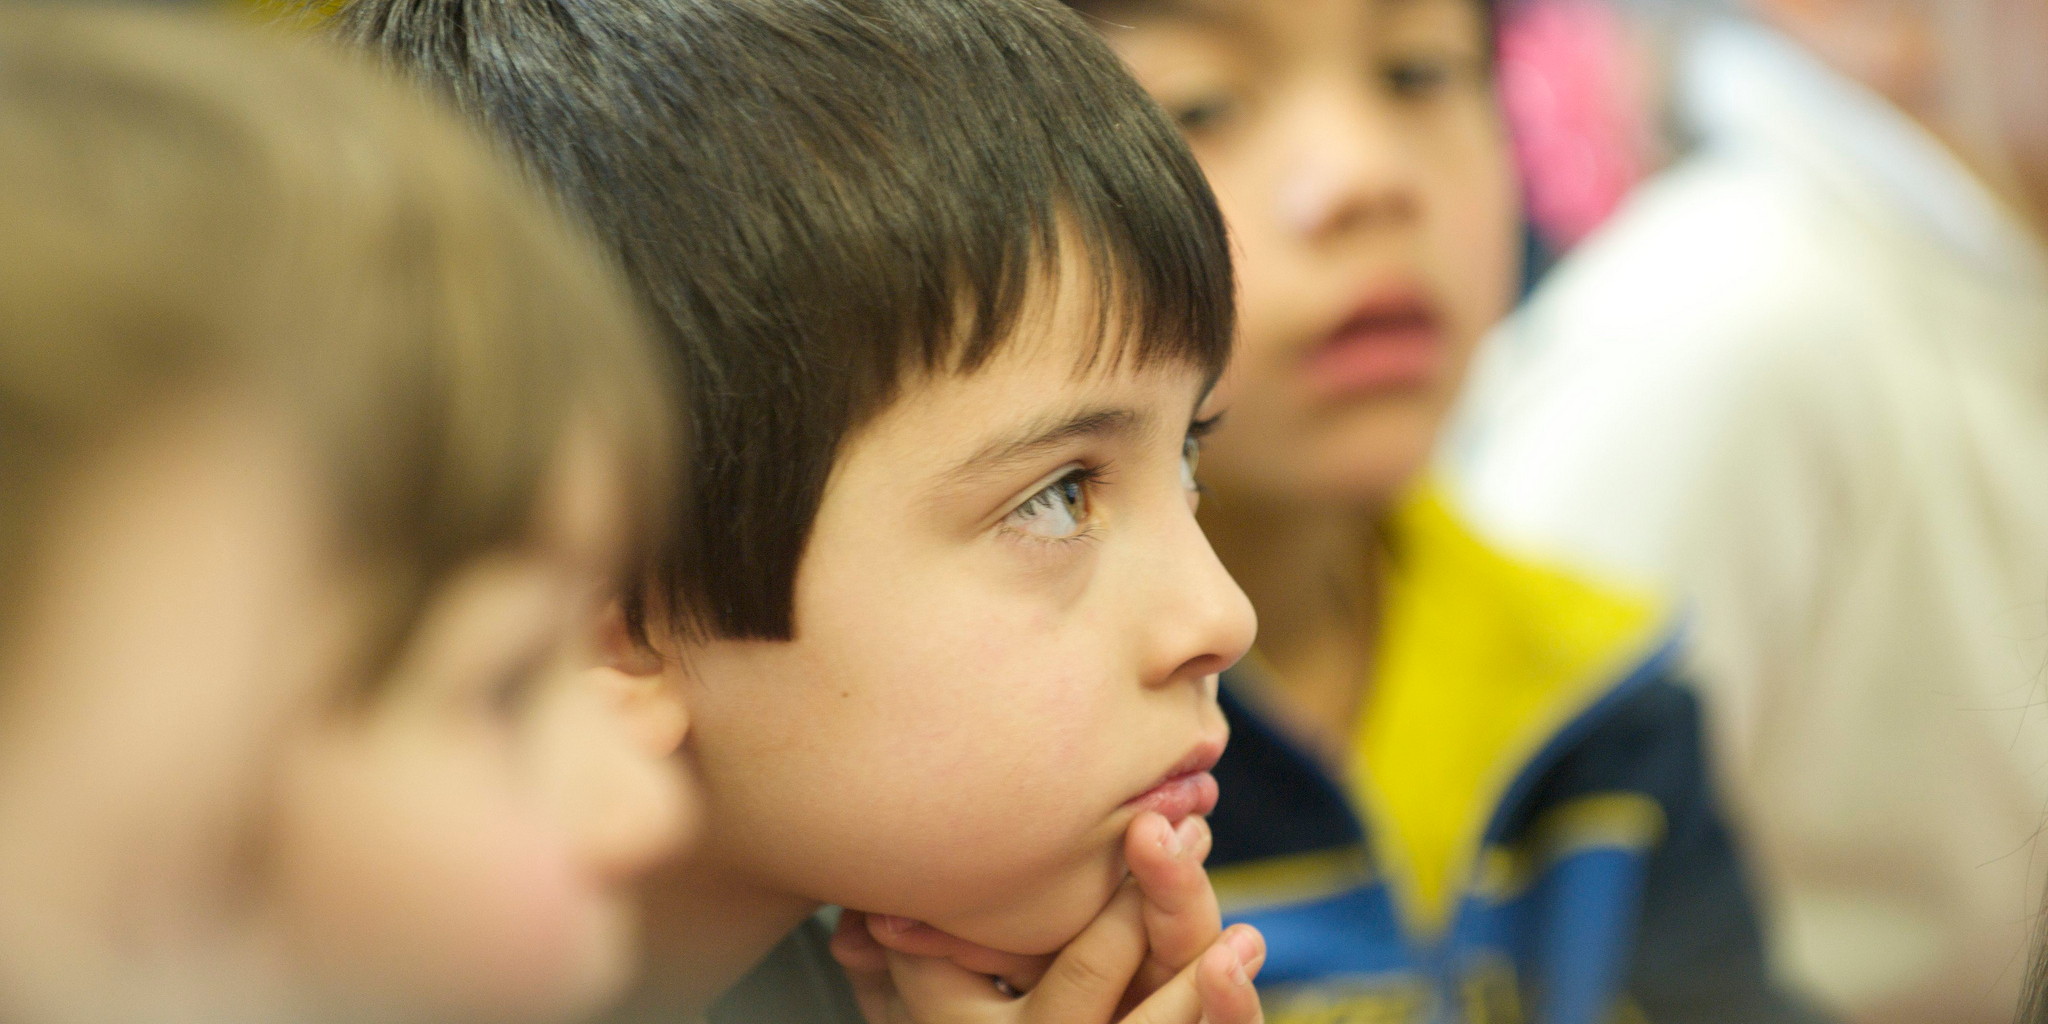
(1191, 451)
(1056, 512)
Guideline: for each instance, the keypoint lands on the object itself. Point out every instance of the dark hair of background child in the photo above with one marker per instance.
(822, 198)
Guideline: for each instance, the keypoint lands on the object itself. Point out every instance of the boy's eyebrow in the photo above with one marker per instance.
(1047, 435)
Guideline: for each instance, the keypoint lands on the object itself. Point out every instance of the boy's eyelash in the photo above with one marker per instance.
(1089, 478)
(1092, 477)
(1197, 430)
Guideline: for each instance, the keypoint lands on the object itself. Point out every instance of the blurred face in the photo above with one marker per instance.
(1007, 633)
(496, 801)
(184, 617)
(198, 822)
(1356, 150)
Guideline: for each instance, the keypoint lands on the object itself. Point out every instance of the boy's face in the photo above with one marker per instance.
(1357, 153)
(197, 821)
(1007, 632)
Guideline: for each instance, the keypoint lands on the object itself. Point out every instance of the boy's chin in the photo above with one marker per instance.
(1039, 925)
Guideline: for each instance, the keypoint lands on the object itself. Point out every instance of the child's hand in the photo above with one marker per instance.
(1086, 983)
(1177, 914)
(1181, 916)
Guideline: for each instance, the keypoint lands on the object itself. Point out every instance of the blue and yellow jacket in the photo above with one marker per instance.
(1524, 830)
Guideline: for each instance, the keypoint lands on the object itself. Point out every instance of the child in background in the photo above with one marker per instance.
(324, 445)
(1462, 785)
(951, 295)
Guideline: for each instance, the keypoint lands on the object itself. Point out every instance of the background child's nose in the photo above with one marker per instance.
(1344, 168)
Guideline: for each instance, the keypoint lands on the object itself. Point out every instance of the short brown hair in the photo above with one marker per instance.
(188, 204)
(821, 198)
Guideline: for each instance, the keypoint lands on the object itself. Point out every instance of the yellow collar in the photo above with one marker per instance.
(1483, 658)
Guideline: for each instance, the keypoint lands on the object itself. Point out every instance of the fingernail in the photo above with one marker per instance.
(1172, 842)
(1186, 835)
(895, 925)
(1245, 943)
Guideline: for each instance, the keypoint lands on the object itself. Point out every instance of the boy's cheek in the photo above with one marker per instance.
(957, 761)
(988, 840)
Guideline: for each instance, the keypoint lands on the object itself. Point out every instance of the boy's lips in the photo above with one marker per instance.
(1187, 788)
(1392, 341)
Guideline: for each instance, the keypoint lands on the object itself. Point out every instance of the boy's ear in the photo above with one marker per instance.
(636, 677)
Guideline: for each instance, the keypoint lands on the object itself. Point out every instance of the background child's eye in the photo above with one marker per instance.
(1058, 511)
(1421, 77)
(1204, 114)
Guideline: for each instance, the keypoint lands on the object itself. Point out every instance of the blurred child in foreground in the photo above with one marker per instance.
(1462, 784)
(323, 447)
(1803, 380)
(951, 295)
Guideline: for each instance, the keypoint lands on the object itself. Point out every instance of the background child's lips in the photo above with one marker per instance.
(1392, 340)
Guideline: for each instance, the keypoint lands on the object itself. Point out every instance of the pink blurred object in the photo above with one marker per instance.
(1575, 97)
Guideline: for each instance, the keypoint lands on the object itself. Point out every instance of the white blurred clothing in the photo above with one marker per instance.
(1803, 378)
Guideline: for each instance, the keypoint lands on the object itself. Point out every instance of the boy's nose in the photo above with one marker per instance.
(1205, 624)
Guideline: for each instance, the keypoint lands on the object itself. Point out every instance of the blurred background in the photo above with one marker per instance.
(1786, 354)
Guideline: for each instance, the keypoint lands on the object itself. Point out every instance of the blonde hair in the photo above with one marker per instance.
(187, 203)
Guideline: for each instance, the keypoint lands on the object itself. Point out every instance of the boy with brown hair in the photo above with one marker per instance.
(950, 295)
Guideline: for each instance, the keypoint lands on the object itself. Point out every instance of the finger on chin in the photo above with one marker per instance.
(854, 948)
(1181, 913)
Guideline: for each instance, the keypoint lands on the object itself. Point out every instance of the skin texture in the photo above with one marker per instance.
(975, 692)
(197, 822)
